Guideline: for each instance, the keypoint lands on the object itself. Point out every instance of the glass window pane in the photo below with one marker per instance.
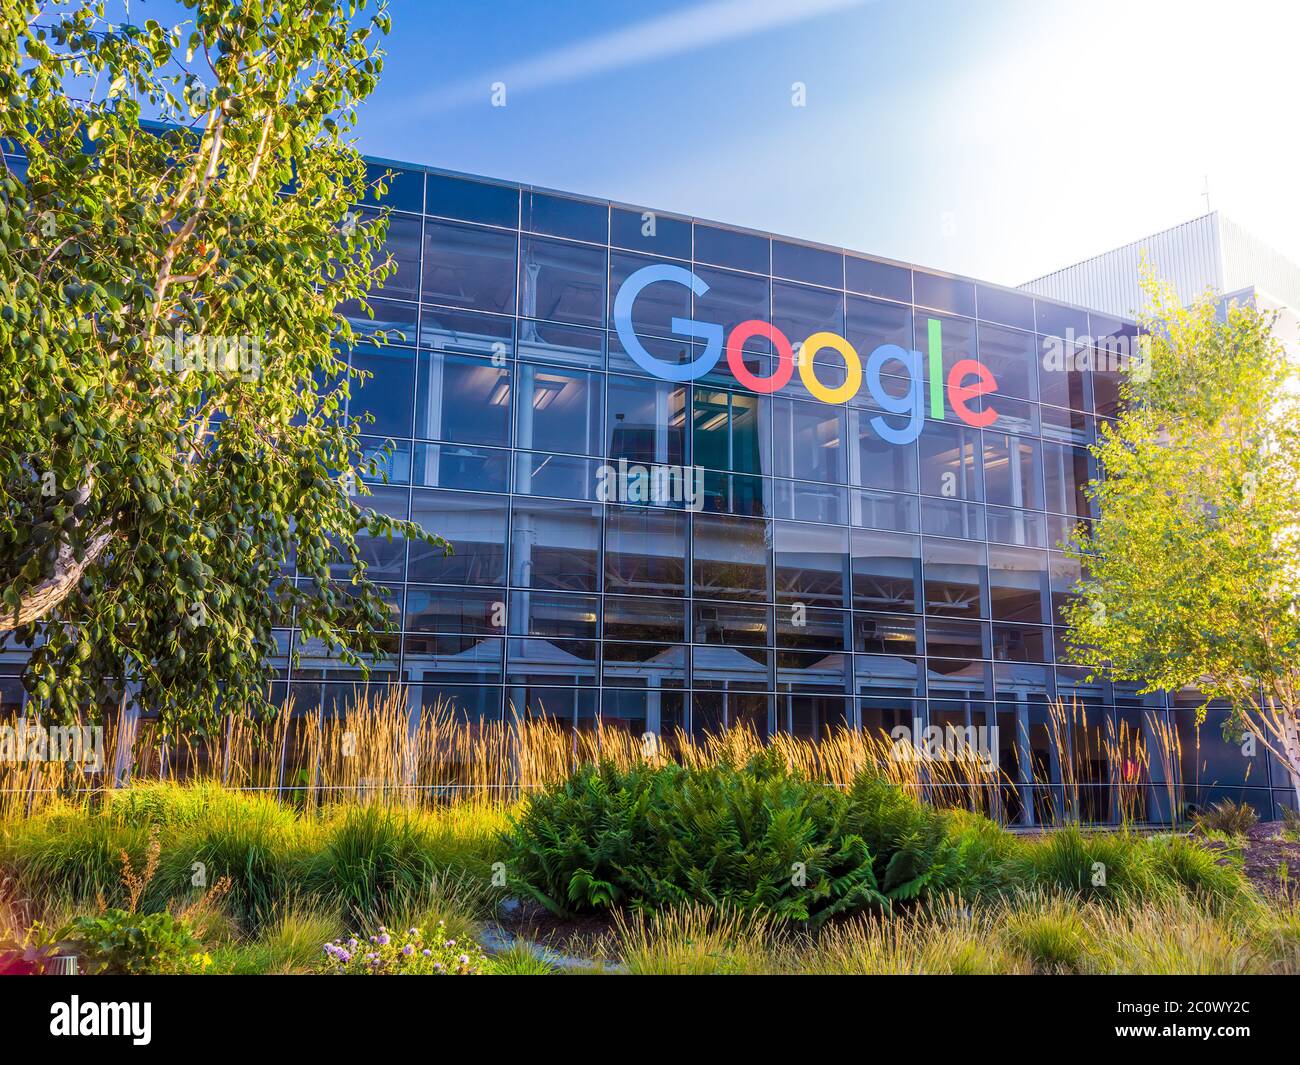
(1013, 471)
(656, 620)
(880, 464)
(562, 282)
(466, 333)
(558, 409)
(555, 544)
(734, 298)
(647, 420)
(727, 247)
(1011, 357)
(473, 201)
(386, 394)
(656, 305)
(799, 311)
(403, 189)
(731, 557)
(886, 570)
(1018, 584)
(403, 244)
(463, 398)
(645, 551)
(534, 613)
(1006, 308)
(469, 267)
(810, 564)
(730, 431)
(877, 279)
(956, 577)
(475, 526)
(566, 344)
(951, 461)
(650, 232)
(799, 262)
(479, 469)
(944, 293)
(540, 474)
(563, 216)
(731, 624)
(455, 610)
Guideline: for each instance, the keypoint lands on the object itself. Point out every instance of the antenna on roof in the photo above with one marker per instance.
(1206, 193)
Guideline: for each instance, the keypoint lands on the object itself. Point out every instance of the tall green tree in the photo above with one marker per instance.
(171, 392)
(1192, 572)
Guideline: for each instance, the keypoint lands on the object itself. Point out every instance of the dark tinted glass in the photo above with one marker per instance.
(799, 262)
(561, 216)
(650, 232)
(469, 267)
(472, 201)
(1005, 308)
(944, 293)
(405, 188)
(877, 279)
(726, 247)
(562, 282)
(1058, 319)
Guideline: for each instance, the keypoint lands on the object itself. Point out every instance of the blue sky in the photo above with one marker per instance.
(1000, 140)
(996, 138)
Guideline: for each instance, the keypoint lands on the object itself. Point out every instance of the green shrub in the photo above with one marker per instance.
(1055, 936)
(736, 838)
(1196, 870)
(119, 942)
(573, 843)
(374, 860)
(1234, 818)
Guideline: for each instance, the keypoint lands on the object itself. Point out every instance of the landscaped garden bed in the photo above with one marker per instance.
(727, 867)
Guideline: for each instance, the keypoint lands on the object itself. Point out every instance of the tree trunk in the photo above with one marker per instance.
(1291, 743)
(44, 597)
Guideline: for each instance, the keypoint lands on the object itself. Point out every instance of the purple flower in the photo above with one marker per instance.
(437, 966)
(408, 950)
(427, 952)
(414, 932)
(383, 940)
(352, 944)
(463, 959)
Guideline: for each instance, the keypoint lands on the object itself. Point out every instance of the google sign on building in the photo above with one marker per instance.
(966, 380)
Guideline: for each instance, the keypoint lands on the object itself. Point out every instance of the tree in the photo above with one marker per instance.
(1192, 572)
(171, 393)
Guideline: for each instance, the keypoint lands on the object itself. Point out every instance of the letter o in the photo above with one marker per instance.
(784, 352)
(852, 364)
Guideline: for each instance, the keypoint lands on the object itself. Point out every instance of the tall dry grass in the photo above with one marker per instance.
(379, 749)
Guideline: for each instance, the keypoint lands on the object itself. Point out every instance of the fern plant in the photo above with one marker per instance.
(737, 837)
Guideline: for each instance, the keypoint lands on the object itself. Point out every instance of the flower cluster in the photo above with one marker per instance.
(389, 953)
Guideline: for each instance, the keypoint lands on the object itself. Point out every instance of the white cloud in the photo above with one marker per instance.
(642, 42)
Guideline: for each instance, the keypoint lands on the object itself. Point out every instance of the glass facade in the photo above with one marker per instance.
(829, 577)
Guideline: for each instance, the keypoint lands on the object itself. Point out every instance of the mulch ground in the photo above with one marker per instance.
(589, 936)
(1264, 854)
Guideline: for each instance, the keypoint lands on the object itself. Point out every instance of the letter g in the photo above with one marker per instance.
(709, 332)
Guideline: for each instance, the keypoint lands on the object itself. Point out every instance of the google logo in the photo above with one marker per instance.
(967, 379)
